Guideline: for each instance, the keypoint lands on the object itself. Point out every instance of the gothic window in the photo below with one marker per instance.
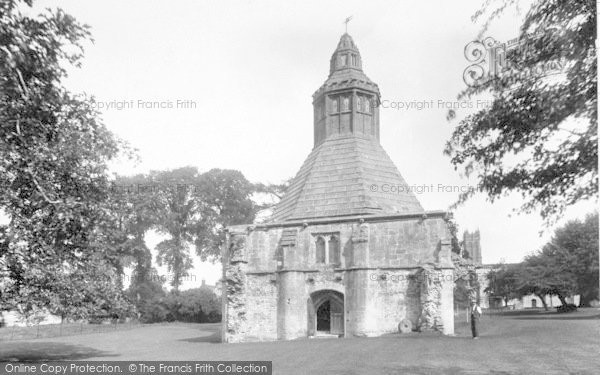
(367, 105)
(321, 250)
(346, 104)
(328, 249)
(334, 105)
(334, 250)
(343, 60)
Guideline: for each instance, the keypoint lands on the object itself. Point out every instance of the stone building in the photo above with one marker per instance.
(348, 251)
(472, 246)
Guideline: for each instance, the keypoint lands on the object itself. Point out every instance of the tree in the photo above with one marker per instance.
(502, 281)
(527, 282)
(565, 266)
(198, 305)
(135, 201)
(226, 200)
(574, 251)
(59, 248)
(179, 217)
(148, 296)
(539, 136)
(544, 272)
(194, 210)
(276, 191)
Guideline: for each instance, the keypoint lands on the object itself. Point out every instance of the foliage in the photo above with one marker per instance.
(225, 196)
(196, 305)
(565, 266)
(61, 245)
(453, 228)
(539, 136)
(147, 295)
(199, 305)
(274, 191)
(136, 208)
(195, 208)
(568, 264)
(502, 281)
(466, 284)
(576, 244)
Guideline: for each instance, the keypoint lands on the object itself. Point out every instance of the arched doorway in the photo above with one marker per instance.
(326, 313)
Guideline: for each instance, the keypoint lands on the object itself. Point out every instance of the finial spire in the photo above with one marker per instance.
(348, 19)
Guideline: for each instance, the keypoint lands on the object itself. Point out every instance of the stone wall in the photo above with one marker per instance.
(271, 272)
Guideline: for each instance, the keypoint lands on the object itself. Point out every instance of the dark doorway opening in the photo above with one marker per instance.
(326, 314)
(324, 317)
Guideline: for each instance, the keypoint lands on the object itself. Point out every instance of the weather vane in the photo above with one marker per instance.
(346, 22)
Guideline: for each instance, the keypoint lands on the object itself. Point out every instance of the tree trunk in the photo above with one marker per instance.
(562, 300)
(543, 301)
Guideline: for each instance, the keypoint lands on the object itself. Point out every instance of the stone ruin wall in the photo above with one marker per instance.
(389, 271)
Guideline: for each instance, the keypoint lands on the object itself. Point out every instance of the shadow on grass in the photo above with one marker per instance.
(559, 317)
(522, 312)
(215, 338)
(48, 351)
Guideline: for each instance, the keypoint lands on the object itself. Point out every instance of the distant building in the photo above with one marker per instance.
(487, 300)
(472, 246)
(532, 301)
(13, 318)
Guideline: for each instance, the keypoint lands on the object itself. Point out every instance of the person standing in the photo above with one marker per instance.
(475, 315)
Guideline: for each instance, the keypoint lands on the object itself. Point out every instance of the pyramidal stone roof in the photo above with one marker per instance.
(348, 172)
(346, 175)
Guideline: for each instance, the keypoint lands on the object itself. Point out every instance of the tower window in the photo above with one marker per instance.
(334, 105)
(343, 60)
(367, 105)
(354, 60)
(345, 104)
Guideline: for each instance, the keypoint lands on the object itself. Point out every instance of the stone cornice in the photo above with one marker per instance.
(344, 219)
(336, 270)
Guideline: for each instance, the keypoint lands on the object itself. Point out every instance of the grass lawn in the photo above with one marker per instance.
(56, 330)
(515, 342)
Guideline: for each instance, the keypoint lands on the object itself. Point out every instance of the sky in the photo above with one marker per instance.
(229, 84)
